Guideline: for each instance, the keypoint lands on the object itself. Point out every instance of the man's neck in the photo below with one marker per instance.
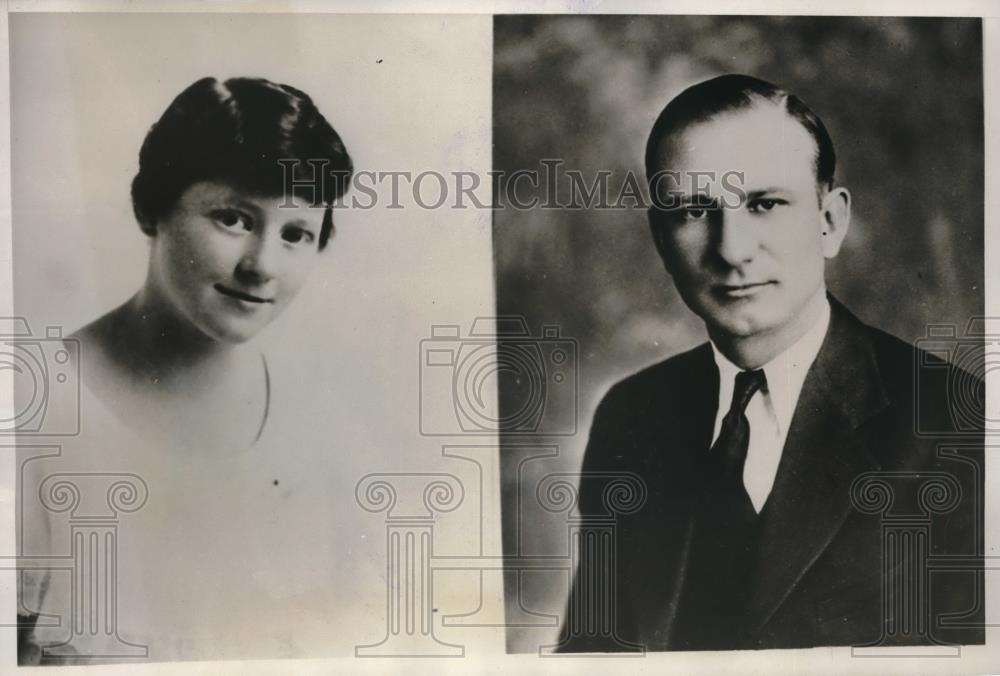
(752, 352)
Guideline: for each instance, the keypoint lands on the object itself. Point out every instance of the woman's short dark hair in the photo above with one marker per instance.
(728, 93)
(248, 132)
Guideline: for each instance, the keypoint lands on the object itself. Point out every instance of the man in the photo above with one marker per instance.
(764, 453)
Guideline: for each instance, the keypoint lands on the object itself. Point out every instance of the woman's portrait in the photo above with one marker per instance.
(234, 231)
(229, 251)
(230, 248)
(233, 326)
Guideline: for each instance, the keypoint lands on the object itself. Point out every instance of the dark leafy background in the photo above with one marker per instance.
(902, 98)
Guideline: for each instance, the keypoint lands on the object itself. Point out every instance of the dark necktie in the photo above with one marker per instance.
(722, 556)
(728, 454)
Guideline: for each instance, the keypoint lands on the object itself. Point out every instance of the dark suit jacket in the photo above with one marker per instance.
(827, 562)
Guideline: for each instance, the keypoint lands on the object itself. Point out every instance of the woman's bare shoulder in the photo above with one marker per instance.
(98, 334)
(101, 351)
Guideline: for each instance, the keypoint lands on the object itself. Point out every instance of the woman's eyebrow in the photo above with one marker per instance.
(244, 203)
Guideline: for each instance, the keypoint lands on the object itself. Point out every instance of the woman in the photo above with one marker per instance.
(230, 248)
(234, 191)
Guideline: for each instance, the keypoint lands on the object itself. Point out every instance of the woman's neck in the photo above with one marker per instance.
(168, 379)
(156, 347)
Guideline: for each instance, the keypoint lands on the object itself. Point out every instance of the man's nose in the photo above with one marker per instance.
(737, 237)
(259, 262)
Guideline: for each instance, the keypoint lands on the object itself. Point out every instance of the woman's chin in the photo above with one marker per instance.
(233, 333)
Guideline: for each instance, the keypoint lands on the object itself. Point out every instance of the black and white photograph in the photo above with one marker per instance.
(516, 336)
(227, 316)
(746, 224)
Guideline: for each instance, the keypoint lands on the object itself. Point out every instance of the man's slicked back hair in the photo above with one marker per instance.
(729, 93)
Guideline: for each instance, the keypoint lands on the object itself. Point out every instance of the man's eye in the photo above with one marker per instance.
(762, 205)
(297, 236)
(694, 213)
(232, 220)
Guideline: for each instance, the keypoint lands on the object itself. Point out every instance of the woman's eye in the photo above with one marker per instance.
(232, 220)
(297, 236)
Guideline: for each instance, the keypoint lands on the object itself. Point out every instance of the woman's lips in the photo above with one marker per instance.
(241, 295)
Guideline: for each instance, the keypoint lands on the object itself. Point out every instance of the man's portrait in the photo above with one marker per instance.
(801, 471)
(750, 445)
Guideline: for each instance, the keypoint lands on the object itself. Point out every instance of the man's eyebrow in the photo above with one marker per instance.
(753, 194)
(700, 199)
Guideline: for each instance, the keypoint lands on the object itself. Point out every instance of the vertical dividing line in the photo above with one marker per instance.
(93, 580)
(908, 577)
(106, 592)
(903, 577)
(574, 610)
(589, 554)
(426, 583)
(113, 592)
(410, 575)
(78, 575)
(583, 581)
(890, 584)
(394, 590)
(606, 568)
(923, 589)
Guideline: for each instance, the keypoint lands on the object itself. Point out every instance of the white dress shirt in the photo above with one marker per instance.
(771, 408)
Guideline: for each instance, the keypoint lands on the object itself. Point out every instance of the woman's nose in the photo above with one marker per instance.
(259, 262)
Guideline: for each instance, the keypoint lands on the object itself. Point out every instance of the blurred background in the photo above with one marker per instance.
(902, 99)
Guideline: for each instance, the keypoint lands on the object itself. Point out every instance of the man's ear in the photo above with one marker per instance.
(835, 219)
(659, 231)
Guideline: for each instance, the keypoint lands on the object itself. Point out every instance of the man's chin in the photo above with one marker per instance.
(741, 323)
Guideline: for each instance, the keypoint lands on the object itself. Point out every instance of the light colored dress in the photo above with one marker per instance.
(164, 555)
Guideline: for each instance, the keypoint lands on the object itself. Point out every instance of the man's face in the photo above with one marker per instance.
(746, 262)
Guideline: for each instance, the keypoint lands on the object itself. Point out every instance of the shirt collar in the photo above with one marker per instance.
(785, 374)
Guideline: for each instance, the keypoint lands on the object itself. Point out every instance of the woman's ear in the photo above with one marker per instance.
(146, 224)
(835, 219)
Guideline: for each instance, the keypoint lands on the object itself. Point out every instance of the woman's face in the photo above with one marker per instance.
(230, 262)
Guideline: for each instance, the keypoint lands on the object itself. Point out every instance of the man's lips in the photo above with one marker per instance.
(739, 290)
(240, 295)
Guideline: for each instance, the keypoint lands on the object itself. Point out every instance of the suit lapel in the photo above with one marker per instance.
(823, 454)
(684, 431)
